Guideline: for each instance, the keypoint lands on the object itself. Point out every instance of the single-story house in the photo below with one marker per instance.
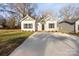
(69, 26)
(49, 23)
(28, 24)
(46, 24)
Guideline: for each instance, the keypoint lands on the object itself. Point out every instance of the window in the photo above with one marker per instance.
(51, 25)
(28, 25)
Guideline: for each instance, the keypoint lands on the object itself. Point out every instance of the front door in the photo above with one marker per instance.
(42, 26)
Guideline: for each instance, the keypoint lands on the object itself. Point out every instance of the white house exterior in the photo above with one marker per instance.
(39, 27)
(49, 23)
(46, 24)
(28, 24)
(51, 26)
(77, 26)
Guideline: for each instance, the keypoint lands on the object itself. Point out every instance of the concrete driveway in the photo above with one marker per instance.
(48, 44)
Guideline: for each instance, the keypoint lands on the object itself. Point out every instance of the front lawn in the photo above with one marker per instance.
(10, 39)
(77, 34)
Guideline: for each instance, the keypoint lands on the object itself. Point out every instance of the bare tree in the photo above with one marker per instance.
(47, 13)
(76, 15)
(24, 8)
(17, 10)
(2, 21)
(10, 23)
(69, 12)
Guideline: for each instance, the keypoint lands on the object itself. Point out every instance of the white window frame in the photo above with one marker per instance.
(28, 26)
(51, 25)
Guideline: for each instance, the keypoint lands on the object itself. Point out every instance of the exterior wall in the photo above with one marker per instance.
(1, 26)
(39, 27)
(67, 28)
(51, 29)
(27, 22)
(76, 26)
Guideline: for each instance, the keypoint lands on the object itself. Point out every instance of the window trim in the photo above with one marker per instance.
(28, 26)
(51, 25)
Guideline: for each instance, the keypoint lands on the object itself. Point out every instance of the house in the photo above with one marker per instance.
(77, 26)
(28, 24)
(47, 24)
(69, 26)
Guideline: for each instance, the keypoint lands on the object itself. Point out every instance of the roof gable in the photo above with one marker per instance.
(72, 21)
(27, 18)
(48, 18)
(67, 22)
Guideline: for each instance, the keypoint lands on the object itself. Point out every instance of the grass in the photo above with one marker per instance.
(10, 39)
(77, 34)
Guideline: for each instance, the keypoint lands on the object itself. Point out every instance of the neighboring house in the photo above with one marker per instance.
(71, 26)
(46, 24)
(77, 26)
(28, 24)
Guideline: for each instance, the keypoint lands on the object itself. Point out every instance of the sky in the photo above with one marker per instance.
(51, 6)
(54, 7)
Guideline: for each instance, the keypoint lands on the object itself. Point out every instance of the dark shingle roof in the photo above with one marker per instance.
(71, 22)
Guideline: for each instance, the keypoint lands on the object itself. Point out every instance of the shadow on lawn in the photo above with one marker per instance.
(6, 47)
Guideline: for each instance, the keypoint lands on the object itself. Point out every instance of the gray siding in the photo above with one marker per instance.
(65, 27)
